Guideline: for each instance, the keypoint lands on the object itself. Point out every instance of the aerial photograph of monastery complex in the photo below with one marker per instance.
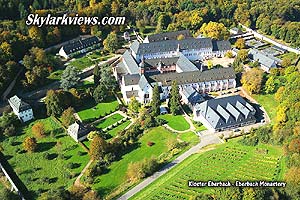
(149, 100)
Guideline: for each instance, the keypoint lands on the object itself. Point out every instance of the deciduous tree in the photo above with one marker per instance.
(252, 80)
(30, 144)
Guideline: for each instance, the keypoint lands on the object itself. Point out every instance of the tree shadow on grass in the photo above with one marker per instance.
(128, 150)
(45, 146)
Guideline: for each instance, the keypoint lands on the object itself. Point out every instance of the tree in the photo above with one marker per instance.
(180, 37)
(38, 130)
(69, 77)
(162, 23)
(252, 80)
(210, 64)
(111, 42)
(155, 103)
(243, 55)
(270, 86)
(91, 195)
(67, 117)
(5, 194)
(133, 106)
(100, 93)
(30, 144)
(286, 62)
(215, 30)
(174, 99)
(240, 43)
(229, 54)
(53, 103)
(98, 148)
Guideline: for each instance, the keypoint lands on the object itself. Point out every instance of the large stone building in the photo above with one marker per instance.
(162, 60)
(191, 48)
(21, 108)
(224, 113)
(79, 46)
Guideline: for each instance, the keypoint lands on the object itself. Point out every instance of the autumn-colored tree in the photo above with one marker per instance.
(98, 148)
(210, 64)
(30, 144)
(67, 117)
(286, 62)
(294, 145)
(215, 30)
(240, 43)
(279, 94)
(292, 175)
(243, 55)
(91, 195)
(252, 80)
(38, 130)
(180, 37)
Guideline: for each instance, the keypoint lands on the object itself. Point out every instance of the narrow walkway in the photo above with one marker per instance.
(77, 181)
(205, 140)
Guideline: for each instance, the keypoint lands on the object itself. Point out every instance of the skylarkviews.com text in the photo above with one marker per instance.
(49, 20)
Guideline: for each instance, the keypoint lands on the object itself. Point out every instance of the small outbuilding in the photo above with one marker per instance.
(78, 131)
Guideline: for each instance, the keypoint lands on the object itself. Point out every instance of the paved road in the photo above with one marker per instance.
(206, 139)
(262, 37)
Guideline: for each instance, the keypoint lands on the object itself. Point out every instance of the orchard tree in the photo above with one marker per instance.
(174, 99)
(69, 77)
(155, 103)
(38, 129)
(30, 144)
(67, 117)
(98, 148)
(252, 80)
(111, 42)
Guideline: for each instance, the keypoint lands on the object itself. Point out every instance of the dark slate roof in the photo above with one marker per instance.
(164, 61)
(182, 62)
(130, 63)
(263, 59)
(168, 35)
(222, 45)
(192, 95)
(18, 104)
(171, 45)
(133, 93)
(194, 77)
(80, 44)
(227, 111)
(131, 79)
(185, 64)
(78, 129)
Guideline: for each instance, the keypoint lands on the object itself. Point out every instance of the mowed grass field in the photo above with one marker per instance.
(116, 176)
(176, 122)
(109, 121)
(94, 111)
(230, 161)
(48, 167)
(269, 103)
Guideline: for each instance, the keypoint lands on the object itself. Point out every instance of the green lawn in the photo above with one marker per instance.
(113, 132)
(189, 137)
(56, 75)
(109, 121)
(101, 109)
(176, 122)
(230, 161)
(269, 103)
(81, 63)
(117, 171)
(47, 168)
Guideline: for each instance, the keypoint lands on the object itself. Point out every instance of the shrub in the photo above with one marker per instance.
(38, 130)
(10, 131)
